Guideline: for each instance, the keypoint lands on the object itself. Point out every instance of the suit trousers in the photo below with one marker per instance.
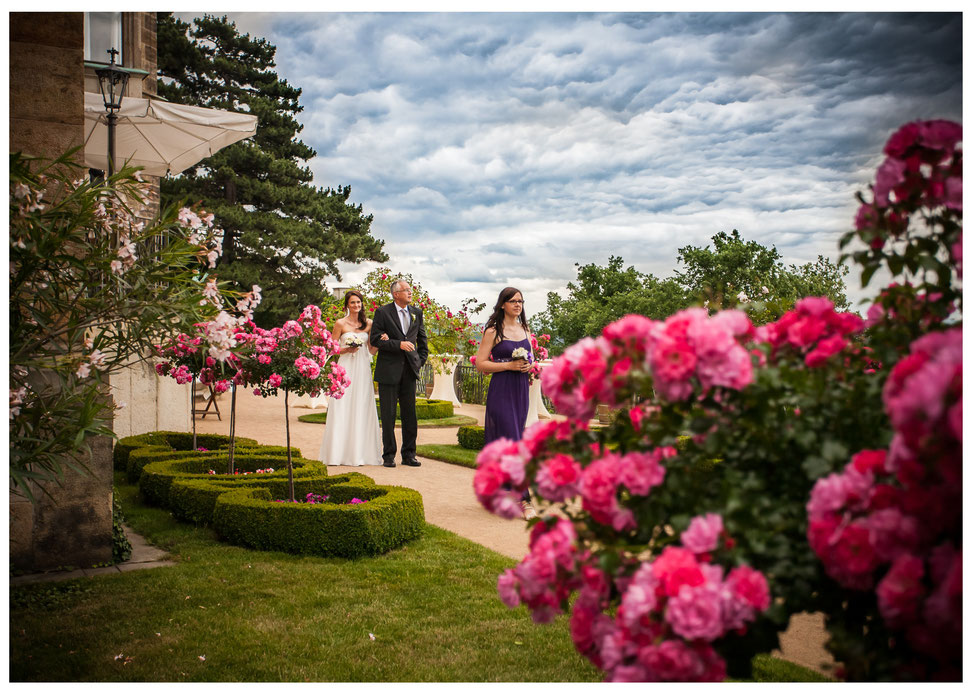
(402, 395)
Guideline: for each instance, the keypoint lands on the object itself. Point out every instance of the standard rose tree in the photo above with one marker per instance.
(813, 463)
(297, 357)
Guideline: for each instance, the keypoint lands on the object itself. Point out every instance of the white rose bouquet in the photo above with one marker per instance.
(519, 353)
(352, 340)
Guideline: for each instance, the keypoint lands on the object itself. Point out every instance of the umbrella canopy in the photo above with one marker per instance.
(160, 136)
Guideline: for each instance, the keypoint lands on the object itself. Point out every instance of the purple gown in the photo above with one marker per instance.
(507, 396)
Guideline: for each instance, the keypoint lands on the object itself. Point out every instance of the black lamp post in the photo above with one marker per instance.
(112, 83)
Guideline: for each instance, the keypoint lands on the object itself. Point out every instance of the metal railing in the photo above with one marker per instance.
(425, 379)
(470, 384)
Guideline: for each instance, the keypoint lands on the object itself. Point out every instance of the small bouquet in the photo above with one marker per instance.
(519, 353)
(350, 340)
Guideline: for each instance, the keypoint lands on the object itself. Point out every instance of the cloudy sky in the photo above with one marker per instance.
(500, 149)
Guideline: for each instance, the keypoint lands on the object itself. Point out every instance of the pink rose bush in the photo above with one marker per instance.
(749, 472)
(670, 609)
(295, 357)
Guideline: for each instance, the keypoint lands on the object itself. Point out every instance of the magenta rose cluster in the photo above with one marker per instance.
(294, 357)
(187, 358)
(690, 351)
(814, 328)
(672, 607)
(922, 162)
(892, 520)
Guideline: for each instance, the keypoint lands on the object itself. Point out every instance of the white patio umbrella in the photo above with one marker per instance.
(162, 137)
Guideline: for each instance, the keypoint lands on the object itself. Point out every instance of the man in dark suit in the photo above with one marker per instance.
(400, 360)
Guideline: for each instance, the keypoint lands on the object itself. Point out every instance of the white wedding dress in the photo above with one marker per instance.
(353, 435)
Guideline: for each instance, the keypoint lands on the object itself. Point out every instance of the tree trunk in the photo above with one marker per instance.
(231, 432)
(289, 453)
(194, 413)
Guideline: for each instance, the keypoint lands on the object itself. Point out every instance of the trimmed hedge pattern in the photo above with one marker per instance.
(174, 440)
(239, 506)
(470, 437)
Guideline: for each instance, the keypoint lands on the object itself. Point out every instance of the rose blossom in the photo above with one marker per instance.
(696, 612)
(557, 478)
(901, 590)
(701, 535)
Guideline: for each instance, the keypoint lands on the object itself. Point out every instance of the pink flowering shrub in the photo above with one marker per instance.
(751, 472)
(295, 357)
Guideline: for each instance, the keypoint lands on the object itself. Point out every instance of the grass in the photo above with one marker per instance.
(453, 454)
(266, 616)
(320, 417)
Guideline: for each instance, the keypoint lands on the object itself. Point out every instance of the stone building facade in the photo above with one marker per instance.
(71, 523)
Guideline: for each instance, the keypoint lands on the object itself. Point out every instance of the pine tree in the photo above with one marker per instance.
(281, 232)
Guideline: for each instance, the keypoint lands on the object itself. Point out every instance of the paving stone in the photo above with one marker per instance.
(47, 577)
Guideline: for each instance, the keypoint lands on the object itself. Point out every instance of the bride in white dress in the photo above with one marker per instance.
(352, 436)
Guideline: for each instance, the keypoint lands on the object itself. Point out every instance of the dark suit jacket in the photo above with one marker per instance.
(391, 359)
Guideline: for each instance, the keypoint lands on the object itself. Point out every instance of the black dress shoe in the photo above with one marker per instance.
(412, 463)
(388, 463)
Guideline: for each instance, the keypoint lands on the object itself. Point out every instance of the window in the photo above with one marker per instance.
(103, 30)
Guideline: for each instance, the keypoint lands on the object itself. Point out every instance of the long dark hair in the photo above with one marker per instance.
(496, 320)
(362, 316)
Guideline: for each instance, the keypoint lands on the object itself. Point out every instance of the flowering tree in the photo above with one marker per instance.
(293, 358)
(204, 355)
(92, 287)
(810, 464)
(448, 331)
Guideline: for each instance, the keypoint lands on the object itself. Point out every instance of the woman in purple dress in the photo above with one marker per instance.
(507, 396)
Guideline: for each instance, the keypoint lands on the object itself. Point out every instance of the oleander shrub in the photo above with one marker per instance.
(192, 485)
(470, 437)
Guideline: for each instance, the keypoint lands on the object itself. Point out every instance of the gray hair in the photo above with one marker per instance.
(394, 285)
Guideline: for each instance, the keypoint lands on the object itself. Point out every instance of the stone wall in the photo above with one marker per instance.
(71, 527)
(46, 81)
(149, 402)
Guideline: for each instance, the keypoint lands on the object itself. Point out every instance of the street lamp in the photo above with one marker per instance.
(112, 83)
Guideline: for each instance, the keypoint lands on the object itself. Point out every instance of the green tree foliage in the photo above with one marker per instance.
(734, 271)
(281, 232)
(731, 272)
(603, 295)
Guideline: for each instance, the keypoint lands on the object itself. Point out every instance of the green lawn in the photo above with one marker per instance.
(320, 417)
(454, 454)
(264, 616)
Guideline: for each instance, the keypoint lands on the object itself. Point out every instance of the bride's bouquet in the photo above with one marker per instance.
(352, 340)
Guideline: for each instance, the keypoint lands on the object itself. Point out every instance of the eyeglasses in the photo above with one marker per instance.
(515, 302)
(403, 291)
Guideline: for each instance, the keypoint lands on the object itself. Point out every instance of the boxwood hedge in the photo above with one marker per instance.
(425, 409)
(470, 437)
(175, 440)
(241, 507)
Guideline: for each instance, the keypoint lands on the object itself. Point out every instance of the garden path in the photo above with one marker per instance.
(448, 498)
